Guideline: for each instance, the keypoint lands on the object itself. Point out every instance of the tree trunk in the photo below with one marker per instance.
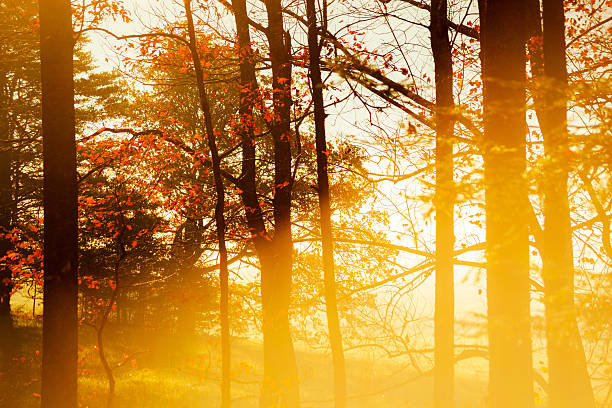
(6, 207)
(248, 98)
(444, 203)
(60, 319)
(280, 386)
(7, 346)
(503, 38)
(569, 382)
(329, 280)
(219, 214)
(280, 383)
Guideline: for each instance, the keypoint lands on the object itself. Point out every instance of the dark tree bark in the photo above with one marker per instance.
(329, 280)
(6, 207)
(60, 320)
(444, 317)
(7, 343)
(569, 382)
(219, 213)
(503, 39)
(248, 98)
(280, 383)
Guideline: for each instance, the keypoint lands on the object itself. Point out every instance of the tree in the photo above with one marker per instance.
(280, 368)
(503, 39)
(275, 253)
(408, 150)
(327, 243)
(5, 211)
(187, 181)
(219, 211)
(60, 320)
(444, 204)
(19, 124)
(569, 382)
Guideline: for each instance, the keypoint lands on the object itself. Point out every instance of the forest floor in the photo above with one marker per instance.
(154, 370)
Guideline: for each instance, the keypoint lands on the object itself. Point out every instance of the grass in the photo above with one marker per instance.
(153, 369)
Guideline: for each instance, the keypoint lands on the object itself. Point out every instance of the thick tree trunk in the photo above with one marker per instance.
(329, 280)
(280, 384)
(569, 382)
(219, 214)
(503, 38)
(60, 319)
(444, 317)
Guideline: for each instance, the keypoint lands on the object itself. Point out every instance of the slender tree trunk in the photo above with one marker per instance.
(7, 346)
(248, 98)
(110, 397)
(569, 382)
(329, 280)
(60, 319)
(6, 207)
(444, 318)
(503, 38)
(219, 214)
